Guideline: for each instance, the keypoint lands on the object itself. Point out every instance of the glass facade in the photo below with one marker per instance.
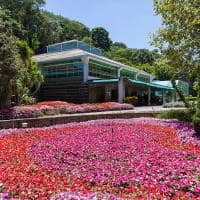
(102, 70)
(184, 87)
(143, 77)
(128, 74)
(71, 45)
(68, 70)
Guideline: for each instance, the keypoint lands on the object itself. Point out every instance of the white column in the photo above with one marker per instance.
(107, 93)
(149, 96)
(173, 96)
(118, 72)
(85, 69)
(136, 76)
(163, 96)
(121, 90)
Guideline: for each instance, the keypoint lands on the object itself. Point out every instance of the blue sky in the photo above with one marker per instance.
(128, 21)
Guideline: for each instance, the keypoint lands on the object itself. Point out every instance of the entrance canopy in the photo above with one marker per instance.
(152, 85)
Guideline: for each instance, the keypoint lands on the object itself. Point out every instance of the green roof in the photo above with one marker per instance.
(154, 85)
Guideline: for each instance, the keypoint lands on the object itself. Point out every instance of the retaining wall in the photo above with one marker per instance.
(62, 119)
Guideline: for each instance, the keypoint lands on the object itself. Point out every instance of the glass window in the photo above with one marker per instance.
(72, 69)
(102, 70)
(127, 73)
(144, 78)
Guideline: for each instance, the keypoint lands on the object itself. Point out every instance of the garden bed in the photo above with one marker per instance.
(110, 159)
(58, 107)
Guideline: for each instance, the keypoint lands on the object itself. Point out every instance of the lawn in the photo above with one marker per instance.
(105, 159)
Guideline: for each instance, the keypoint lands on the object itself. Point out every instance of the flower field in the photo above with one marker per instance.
(105, 159)
(59, 107)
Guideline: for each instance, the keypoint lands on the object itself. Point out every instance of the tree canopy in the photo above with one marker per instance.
(9, 58)
(17, 70)
(178, 38)
(100, 38)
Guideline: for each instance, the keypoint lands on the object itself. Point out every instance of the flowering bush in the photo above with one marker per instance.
(58, 107)
(103, 159)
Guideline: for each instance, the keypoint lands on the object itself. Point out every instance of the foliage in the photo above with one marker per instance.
(72, 30)
(141, 56)
(142, 59)
(196, 117)
(182, 115)
(191, 98)
(178, 104)
(18, 72)
(9, 58)
(131, 100)
(55, 28)
(120, 45)
(49, 31)
(178, 38)
(87, 40)
(100, 38)
(27, 13)
(29, 71)
(180, 93)
(163, 70)
(180, 27)
(196, 121)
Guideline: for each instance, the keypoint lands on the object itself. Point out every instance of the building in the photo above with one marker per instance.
(76, 72)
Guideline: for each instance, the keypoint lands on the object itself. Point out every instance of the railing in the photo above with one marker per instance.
(71, 45)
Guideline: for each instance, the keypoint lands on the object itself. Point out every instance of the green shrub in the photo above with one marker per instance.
(182, 115)
(190, 98)
(131, 100)
(196, 117)
(49, 112)
(38, 113)
(196, 121)
(174, 104)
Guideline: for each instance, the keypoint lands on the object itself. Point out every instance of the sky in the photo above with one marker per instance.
(128, 21)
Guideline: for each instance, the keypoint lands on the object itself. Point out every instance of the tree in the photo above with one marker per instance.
(179, 42)
(55, 28)
(87, 40)
(18, 72)
(120, 45)
(26, 13)
(100, 38)
(29, 72)
(49, 31)
(72, 30)
(142, 56)
(178, 39)
(162, 70)
(196, 117)
(9, 58)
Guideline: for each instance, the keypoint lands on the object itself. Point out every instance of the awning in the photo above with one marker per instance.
(153, 85)
(107, 81)
(102, 81)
